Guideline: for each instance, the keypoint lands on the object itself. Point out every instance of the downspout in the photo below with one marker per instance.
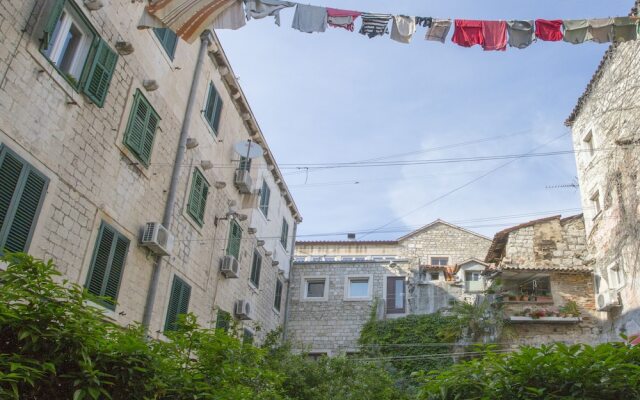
(205, 39)
(287, 298)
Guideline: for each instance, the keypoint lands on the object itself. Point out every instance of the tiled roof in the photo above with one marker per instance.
(500, 238)
(355, 242)
(513, 267)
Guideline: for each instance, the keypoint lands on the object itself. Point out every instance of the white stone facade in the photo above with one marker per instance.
(93, 177)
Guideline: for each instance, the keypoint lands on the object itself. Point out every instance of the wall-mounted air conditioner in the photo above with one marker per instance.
(229, 266)
(242, 309)
(157, 238)
(242, 181)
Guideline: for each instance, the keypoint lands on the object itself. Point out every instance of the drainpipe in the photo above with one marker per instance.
(287, 298)
(205, 39)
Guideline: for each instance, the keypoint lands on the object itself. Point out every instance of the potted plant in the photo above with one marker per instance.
(537, 314)
(544, 297)
(570, 309)
(512, 296)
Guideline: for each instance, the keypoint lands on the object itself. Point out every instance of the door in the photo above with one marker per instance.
(396, 293)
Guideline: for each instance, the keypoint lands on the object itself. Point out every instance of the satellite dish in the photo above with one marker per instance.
(248, 149)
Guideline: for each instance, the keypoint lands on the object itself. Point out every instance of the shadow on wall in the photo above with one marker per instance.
(428, 299)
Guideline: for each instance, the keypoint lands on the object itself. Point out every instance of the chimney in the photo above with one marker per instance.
(351, 236)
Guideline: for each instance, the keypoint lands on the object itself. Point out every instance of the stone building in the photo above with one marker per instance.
(105, 128)
(335, 284)
(606, 131)
(538, 270)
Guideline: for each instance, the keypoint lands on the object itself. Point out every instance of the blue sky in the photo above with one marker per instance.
(340, 97)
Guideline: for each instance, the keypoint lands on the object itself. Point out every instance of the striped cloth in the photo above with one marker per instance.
(188, 18)
(375, 24)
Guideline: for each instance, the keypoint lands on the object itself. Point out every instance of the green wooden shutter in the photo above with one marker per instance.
(235, 238)
(149, 135)
(141, 128)
(25, 214)
(117, 267)
(198, 197)
(278, 299)
(284, 236)
(97, 83)
(216, 115)
(10, 171)
(223, 320)
(210, 106)
(52, 11)
(256, 266)
(168, 39)
(178, 303)
(265, 194)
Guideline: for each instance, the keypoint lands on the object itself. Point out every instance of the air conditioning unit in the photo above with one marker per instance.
(242, 180)
(157, 239)
(608, 299)
(242, 309)
(229, 266)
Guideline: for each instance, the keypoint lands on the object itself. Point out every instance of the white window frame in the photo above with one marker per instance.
(440, 265)
(347, 287)
(616, 276)
(304, 287)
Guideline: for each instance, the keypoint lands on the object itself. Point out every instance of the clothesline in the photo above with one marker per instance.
(188, 18)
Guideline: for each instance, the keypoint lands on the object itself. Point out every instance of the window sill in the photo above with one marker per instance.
(275, 311)
(133, 160)
(75, 98)
(161, 49)
(255, 289)
(212, 132)
(358, 299)
(597, 216)
(314, 299)
(107, 313)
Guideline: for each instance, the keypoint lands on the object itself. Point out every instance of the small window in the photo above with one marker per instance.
(316, 355)
(213, 108)
(315, 288)
(107, 265)
(178, 303)
(278, 299)
(198, 197)
(284, 234)
(440, 261)
(256, 266)
(223, 320)
(472, 276)
(616, 276)
(168, 39)
(265, 194)
(358, 287)
(595, 203)
(22, 191)
(141, 128)
(235, 238)
(588, 144)
(434, 276)
(247, 336)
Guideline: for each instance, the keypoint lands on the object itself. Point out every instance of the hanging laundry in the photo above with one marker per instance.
(310, 19)
(231, 18)
(601, 30)
(467, 33)
(576, 31)
(266, 8)
(342, 18)
(403, 28)
(374, 24)
(424, 21)
(625, 29)
(550, 31)
(188, 18)
(439, 30)
(521, 34)
(495, 35)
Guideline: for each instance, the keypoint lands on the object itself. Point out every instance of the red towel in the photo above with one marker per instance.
(495, 35)
(549, 30)
(467, 33)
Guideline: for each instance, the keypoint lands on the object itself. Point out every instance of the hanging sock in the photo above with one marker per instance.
(231, 18)
(601, 30)
(374, 24)
(576, 31)
(625, 29)
(439, 30)
(521, 34)
(495, 35)
(424, 21)
(467, 33)
(403, 28)
(551, 31)
(342, 18)
(310, 19)
(266, 8)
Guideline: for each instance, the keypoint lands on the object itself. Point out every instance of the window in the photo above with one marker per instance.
(616, 276)
(72, 46)
(235, 238)
(107, 265)
(588, 144)
(284, 235)
(358, 288)
(22, 190)
(315, 288)
(198, 197)
(395, 295)
(256, 265)
(473, 276)
(223, 320)
(434, 276)
(440, 261)
(213, 108)
(141, 129)
(247, 336)
(168, 39)
(278, 299)
(265, 194)
(473, 282)
(178, 303)
(595, 203)
(316, 355)
(245, 164)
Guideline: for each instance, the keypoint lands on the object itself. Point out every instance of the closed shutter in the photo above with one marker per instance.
(107, 265)
(168, 39)
(22, 191)
(198, 197)
(278, 300)
(178, 303)
(284, 235)
(235, 238)
(265, 194)
(216, 115)
(223, 320)
(97, 83)
(256, 266)
(141, 128)
(51, 14)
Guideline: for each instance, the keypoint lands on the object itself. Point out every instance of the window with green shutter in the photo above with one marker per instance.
(247, 336)
(178, 303)
(100, 72)
(256, 266)
(235, 238)
(223, 320)
(284, 235)
(213, 108)
(278, 299)
(107, 265)
(22, 190)
(168, 39)
(265, 194)
(198, 197)
(141, 128)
